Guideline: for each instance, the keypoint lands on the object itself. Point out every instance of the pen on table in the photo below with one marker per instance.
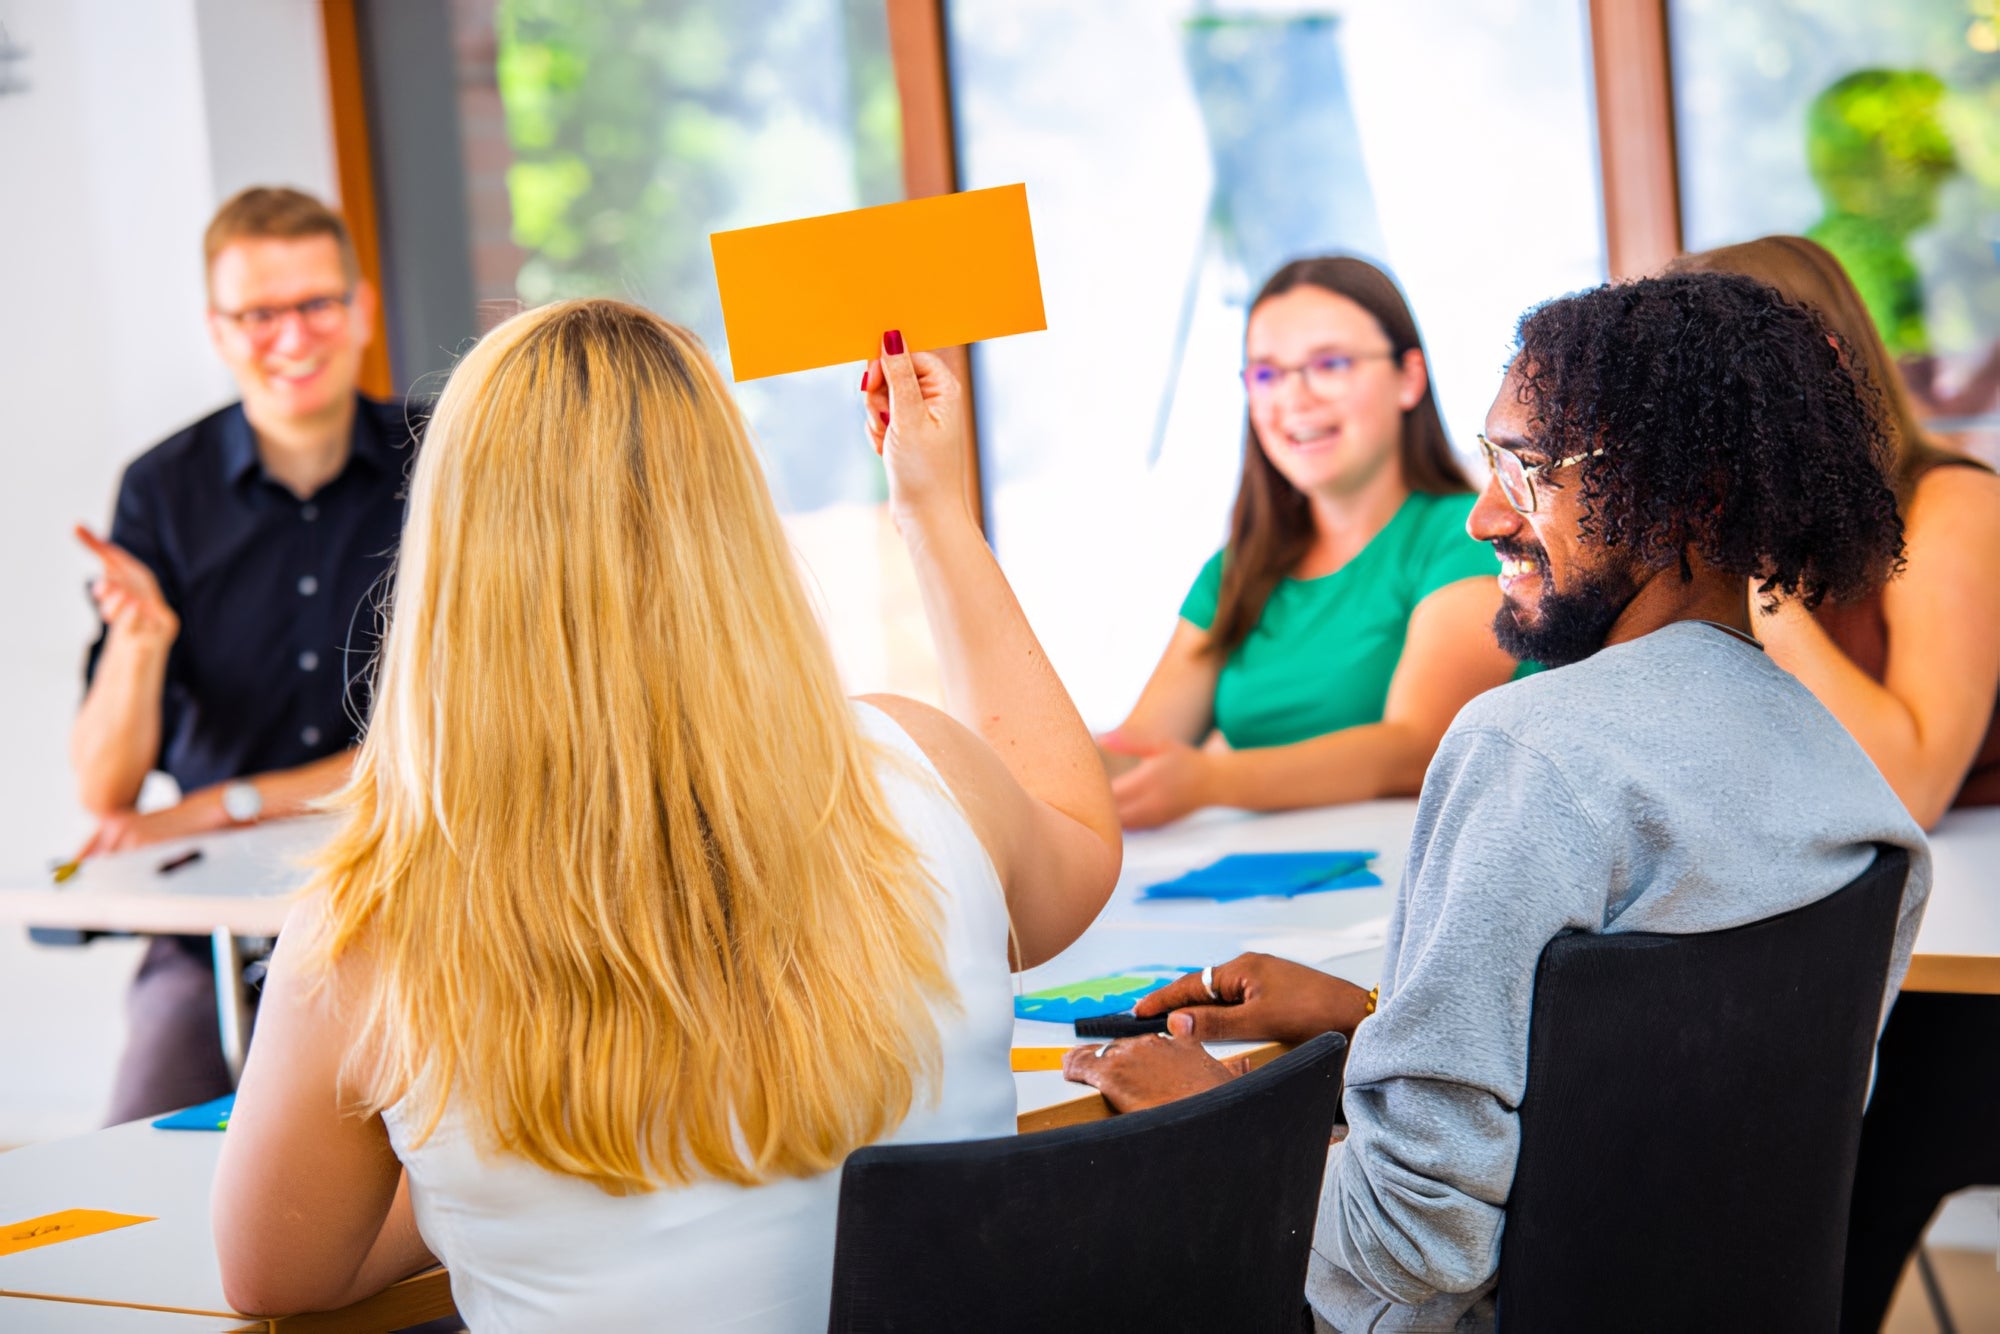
(187, 858)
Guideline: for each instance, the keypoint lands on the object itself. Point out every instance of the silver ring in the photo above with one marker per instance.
(1208, 982)
(1106, 1047)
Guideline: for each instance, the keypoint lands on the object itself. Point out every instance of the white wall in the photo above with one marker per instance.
(138, 120)
(264, 86)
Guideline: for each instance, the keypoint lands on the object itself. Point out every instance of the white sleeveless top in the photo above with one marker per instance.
(532, 1250)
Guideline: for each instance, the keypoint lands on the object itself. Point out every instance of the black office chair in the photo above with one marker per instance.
(1197, 1215)
(1691, 1120)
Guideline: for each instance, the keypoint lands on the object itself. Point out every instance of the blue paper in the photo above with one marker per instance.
(1246, 875)
(1230, 894)
(206, 1116)
(1095, 996)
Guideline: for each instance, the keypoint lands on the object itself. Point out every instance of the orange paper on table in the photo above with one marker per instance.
(1039, 1058)
(942, 271)
(65, 1226)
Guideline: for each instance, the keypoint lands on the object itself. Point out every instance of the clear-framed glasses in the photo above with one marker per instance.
(1325, 375)
(319, 314)
(1517, 479)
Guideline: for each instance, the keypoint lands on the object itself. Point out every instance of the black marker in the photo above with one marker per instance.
(1120, 1026)
(175, 863)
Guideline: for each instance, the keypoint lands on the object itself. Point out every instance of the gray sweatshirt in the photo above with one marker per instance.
(1678, 783)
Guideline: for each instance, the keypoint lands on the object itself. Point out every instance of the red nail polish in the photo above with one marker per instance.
(892, 342)
(864, 379)
(885, 418)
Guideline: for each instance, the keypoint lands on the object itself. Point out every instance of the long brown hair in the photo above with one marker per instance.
(1271, 527)
(1806, 272)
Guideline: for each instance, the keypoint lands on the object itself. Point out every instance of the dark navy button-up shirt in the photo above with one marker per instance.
(280, 599)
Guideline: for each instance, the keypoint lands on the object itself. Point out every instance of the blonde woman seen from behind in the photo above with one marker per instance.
(635, 927)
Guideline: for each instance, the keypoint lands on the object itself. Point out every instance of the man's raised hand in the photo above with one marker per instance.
(128, 596)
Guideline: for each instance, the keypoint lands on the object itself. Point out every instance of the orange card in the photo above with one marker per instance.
(65, 1226)
(1039, 1058)
(943, 271)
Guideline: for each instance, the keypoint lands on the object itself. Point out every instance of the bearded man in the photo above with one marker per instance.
(1655, 447)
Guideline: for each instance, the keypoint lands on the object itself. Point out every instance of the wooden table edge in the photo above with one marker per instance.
(1962, 974)
(420, 1297)
(247, 1324)
(411, 1301)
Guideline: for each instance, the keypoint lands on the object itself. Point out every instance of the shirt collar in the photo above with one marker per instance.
(239, 443)
(239, 446)
(371, 445)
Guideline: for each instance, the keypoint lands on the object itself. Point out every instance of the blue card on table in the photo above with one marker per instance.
(1244, 875)
(206, 1116)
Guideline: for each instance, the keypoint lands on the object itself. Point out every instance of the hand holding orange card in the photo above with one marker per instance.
(947, 270)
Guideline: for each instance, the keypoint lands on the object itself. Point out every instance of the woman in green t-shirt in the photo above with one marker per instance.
(1322, 653)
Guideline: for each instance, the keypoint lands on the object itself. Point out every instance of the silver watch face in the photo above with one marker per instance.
(242, 802)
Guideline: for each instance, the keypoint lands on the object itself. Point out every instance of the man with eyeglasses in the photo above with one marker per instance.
(236, 577)
(1655, 446)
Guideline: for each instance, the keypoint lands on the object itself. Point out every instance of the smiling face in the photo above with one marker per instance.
(299, 367)
(1562, 590)
(1344, 430)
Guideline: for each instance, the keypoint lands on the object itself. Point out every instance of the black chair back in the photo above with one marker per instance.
(1691, 1120)
(1197, 1215)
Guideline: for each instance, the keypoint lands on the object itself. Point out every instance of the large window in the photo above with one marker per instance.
(1874, 129)
(597, 144)
(1175, 153)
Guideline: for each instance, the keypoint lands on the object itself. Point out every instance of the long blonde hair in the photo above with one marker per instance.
(615, 853)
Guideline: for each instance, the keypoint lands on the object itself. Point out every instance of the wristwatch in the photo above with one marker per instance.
(242, 802)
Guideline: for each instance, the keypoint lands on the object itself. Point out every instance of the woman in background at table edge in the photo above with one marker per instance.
(635, 927)
(1349, 618)
(1913, 669)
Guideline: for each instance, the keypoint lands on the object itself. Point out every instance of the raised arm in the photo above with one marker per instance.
(1014, 749)
(115, 739)
(1924, 722)
(1449, 656)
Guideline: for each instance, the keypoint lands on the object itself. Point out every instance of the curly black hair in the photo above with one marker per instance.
(1731, 428)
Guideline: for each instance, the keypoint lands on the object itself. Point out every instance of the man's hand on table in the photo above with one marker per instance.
(1137, 1073)
(199, 813)
(1257, 998)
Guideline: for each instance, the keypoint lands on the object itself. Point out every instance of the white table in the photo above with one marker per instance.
(242, 882)
(241, 887)
(1339, 930)
(1958, 947)
(170, 1264)
(166, 1265)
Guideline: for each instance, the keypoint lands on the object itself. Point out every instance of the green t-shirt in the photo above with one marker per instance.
(1321, 655)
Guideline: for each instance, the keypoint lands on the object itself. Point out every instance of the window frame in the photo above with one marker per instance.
(1632, 84)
